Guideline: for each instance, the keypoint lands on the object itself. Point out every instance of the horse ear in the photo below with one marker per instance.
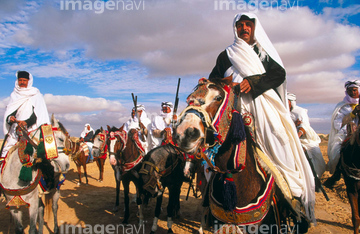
(101, 129)
(227, 80)
(203, 80)
(121, 128)
(52, 119)
(108, 127)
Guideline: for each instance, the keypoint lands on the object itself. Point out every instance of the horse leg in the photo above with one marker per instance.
(173, 205)
(85, 173)
(140, 205)
(41, 215)
(126, 184)
(55, 207)
(33, 211)
(157, 214)
(204, 212)
(17, 216)
(116, 208)
(353, 199)
(79, 173)
(101, 168)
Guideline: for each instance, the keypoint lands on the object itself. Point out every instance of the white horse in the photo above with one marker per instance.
(19, 192)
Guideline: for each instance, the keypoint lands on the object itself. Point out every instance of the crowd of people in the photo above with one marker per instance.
(283, 130)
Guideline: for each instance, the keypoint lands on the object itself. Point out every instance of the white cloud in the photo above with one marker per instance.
(80, 104)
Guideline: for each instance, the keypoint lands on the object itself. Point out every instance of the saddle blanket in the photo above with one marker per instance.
(84, 147)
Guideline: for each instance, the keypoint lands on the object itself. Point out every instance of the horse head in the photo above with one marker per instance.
(61, 163)
(202, 118)
(100, 139)
(116, 143)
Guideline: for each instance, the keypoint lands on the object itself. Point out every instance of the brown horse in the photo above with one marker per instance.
(126, 155)
(350, 167)
(240, 194)
(79, 151)
(78, 155)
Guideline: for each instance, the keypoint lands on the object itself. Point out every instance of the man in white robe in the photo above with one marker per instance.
(161, 123)
(254, 63)
(338, 130)
(86, 136)
(309, 139)
(143, 126)
(26, 108)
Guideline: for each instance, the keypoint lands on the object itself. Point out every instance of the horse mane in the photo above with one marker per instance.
(97, 132)
(62, 128)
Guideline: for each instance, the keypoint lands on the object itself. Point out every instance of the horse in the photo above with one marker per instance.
(240, 193)
(49, 165)
(126, 155)
(99, 151)
(350, 168)
(79, 155)
(165, 166)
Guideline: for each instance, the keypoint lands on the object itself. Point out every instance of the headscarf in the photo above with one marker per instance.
(24, 100)
(245, 60)
(86, 130)
(351, 84)
(292, 98)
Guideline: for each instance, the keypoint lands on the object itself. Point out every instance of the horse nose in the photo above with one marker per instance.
(192, 133)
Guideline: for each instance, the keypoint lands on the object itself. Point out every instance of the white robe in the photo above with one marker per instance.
(275, 130)
(337, 133)
(160, 122)
(311, 140)
(24, 100)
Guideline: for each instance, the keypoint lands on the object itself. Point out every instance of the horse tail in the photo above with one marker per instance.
(48, 206)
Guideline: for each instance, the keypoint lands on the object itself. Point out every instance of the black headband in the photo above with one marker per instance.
(23, 74)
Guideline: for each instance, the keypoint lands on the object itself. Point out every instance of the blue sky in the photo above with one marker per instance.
(87, 62)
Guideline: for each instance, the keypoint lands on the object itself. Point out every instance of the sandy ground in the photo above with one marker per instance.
(91, 207)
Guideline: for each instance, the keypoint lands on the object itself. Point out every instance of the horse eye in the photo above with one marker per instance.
(201, 102)
(60, 139)
(218, 98)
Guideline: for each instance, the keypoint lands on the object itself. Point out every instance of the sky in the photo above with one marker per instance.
(87, 57)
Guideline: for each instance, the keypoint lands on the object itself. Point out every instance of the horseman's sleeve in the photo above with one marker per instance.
(32, 119)
(222, 64)
(89, 136)
(274, 76)
(8, 117)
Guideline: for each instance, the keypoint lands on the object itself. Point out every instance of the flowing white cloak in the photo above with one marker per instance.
(274, 129)
(310, 141)
(337, 134)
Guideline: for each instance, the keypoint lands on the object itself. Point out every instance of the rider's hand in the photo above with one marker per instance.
(245, 86)
(22, 124)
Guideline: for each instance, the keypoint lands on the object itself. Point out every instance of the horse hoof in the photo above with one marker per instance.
(100, 181)
(170, 231)
(125, 221)
(78, 184)
(152, 232)
(116, 209)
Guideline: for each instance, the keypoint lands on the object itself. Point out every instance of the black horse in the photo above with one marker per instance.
(165, 167)
(350, 168)
(126, 156)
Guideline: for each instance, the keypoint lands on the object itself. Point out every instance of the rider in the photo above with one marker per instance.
(257, 68)
(309, 139)
(348, 107)
(162, 124)
(143, 126)
(26, 108)
(87, 136)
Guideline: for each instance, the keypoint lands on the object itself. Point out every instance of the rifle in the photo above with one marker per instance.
(134, 98)
(176, 103)
(317, 180)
